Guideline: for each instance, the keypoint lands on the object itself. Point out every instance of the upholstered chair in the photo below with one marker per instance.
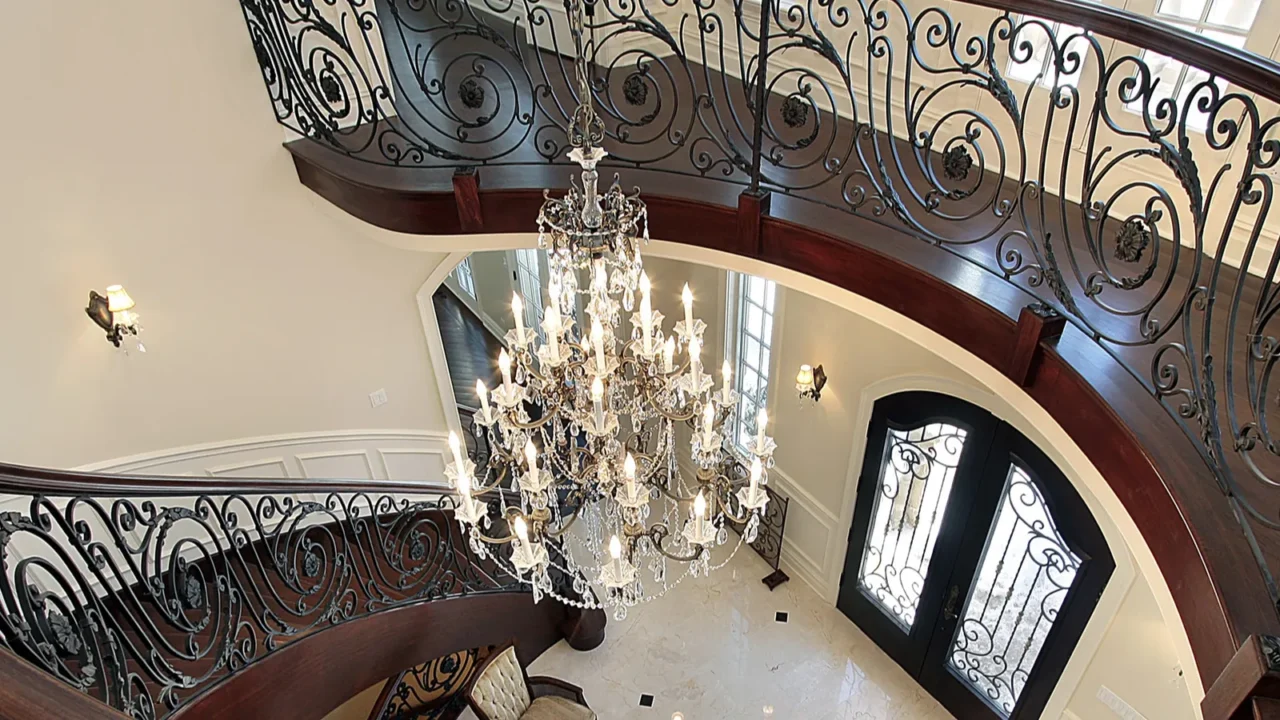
(501, 690)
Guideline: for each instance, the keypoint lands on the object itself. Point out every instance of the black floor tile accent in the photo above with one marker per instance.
(780, 617)
(646, 700)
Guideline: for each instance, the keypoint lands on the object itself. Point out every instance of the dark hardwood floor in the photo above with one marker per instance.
(470, 348)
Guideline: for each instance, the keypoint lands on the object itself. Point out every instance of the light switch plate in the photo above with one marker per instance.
(378, 397)
(1118, 706)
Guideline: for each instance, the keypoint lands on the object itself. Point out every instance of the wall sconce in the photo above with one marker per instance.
(809, 382)
(114, 313)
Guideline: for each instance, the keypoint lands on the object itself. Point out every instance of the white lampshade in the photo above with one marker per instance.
(804, 378)
(118, 300)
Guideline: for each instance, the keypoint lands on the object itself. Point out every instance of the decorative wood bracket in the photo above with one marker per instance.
(1250, 683)
(1036, 323)
(466, 196)
(753, 206)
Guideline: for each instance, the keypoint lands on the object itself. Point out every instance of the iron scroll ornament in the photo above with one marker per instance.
(950, 132)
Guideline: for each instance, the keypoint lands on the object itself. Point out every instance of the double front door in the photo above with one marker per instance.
(972, 561)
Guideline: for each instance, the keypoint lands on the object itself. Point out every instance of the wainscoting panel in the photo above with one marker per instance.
(807, 550)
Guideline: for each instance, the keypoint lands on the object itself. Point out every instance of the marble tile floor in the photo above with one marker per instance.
(715, 649)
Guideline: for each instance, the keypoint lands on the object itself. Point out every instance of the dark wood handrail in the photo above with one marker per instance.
(21, 479)
(1241, 67)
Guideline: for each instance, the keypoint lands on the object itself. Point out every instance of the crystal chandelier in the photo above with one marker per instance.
(584, 479)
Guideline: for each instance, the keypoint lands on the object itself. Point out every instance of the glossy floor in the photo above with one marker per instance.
(713, 649)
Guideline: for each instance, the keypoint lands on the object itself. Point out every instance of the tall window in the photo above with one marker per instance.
(1226, 21)
(466, 281)
(529, 284)
(751, 305)
(1042, 66)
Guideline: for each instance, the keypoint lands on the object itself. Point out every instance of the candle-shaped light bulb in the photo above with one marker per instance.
(597, 341)
(756, 471)
(522, 529)
(695, 363)
(726, 374)
(531, 459)
(629, 473)
(483, 393)
(601, 277)
(668, 354)
(761, 421)
(504, 366)
(517, 310)
(644, 285)
(553, 320)
(615, 552)
(686, 296)
(700, 514)
(597, 402)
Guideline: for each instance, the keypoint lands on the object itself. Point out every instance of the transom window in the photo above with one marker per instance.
(751, 308)
(466, 281)
(1226, 21)
(1041, 66)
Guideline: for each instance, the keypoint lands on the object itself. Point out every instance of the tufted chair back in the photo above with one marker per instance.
(500, 690)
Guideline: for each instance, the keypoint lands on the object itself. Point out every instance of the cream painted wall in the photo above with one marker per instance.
(143, 151)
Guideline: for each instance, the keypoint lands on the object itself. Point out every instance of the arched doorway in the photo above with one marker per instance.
(972, 560)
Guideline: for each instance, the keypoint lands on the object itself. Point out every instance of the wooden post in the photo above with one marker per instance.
(466, 196)
(753, 205)
(1036, 323)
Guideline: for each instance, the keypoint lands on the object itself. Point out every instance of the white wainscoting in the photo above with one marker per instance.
(398, 455)
(810, 538)
(357, 455)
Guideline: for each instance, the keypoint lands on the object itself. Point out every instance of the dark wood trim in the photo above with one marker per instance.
(1247, 677)
(311, 676)
(466, 195)
(752, 207)
(1264, 709)
(1132, 441)
(1036, 324)
(27, 692)
(21, 479)
(1248, 70)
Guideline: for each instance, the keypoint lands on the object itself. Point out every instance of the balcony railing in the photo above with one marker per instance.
(1050, 156)
(146, 593)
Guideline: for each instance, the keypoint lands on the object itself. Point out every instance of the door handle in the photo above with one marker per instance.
(949, 611)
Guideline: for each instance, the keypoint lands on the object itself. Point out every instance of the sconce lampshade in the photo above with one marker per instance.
(118, 300)
(804, 379)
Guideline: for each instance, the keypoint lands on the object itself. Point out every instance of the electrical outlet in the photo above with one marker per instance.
(378, 397)
(1118, 706)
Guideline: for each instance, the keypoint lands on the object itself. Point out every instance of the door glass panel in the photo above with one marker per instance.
(1024, 576)
(918, 470)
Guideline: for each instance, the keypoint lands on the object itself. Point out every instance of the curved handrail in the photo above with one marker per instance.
(1244, 68)
(22, 479)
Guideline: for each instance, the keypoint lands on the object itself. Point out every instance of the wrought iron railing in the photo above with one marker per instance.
(1052, 157)
(145, 592)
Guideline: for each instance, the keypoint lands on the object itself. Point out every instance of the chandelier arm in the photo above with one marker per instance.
(658, 533)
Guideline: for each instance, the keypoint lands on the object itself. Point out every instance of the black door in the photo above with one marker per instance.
(972, 561)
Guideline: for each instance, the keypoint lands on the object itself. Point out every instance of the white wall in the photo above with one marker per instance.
(143, 151)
